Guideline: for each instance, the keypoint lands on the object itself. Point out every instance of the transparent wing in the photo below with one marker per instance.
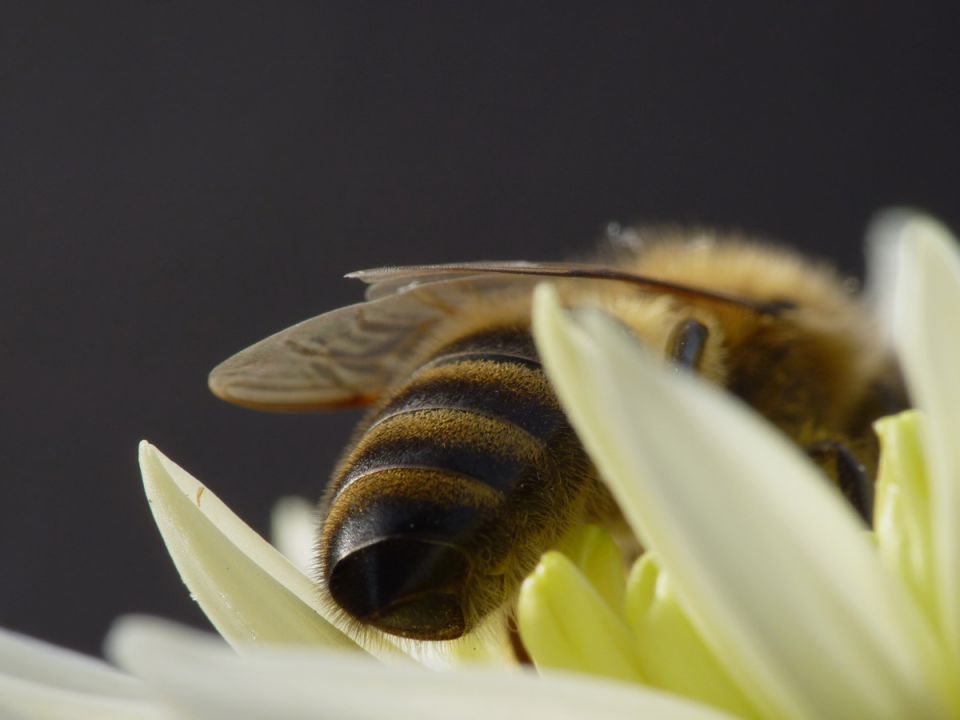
(387, 281)
(391, 280)
(346, 357)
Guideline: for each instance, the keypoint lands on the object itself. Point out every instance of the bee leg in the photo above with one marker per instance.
(850, 474)
(519, 649)
(687, 343)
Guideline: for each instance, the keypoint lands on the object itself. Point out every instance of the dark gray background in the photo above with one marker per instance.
(178, 179)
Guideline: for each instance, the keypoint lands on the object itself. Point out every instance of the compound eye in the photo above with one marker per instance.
(687, 344)
(405, 586)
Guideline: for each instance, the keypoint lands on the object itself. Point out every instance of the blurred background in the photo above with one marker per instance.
(179, 179)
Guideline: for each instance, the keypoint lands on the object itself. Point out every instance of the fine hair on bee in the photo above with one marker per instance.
(464, 470)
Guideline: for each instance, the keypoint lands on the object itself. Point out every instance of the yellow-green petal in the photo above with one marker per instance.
(673, 654)
(902, 510)
(808, 621)
(598, 557)
(566, 625)
(248, 590)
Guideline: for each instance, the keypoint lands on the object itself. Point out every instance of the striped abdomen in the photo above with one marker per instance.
(462, 477)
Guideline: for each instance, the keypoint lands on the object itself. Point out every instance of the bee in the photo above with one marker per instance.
(465, 470)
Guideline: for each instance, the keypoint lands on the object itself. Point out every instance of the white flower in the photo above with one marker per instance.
(760, 579)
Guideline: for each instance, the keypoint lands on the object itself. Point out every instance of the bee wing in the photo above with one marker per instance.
(388, 281)
(391, 280)
(346, 357)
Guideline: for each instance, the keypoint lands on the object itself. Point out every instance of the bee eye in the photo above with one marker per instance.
(404, 585)
(687, 344)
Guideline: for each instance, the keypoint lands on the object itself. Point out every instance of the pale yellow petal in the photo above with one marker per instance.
(247, 589)
(293, 531)
(927, 299)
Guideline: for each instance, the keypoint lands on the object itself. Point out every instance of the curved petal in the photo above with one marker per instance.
(926, 299)
(596, 555)
(774, 568)
(672, 653)
(565, 624)
(199, 677)
(902, 511)
(247, 589)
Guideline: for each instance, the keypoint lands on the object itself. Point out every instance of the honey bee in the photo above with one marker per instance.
(465, 470)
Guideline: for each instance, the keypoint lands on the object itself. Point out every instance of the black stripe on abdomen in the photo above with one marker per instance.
(496, 471)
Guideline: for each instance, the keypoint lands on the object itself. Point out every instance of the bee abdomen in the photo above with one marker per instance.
(482, 408)
(393, 559)
(421, 491)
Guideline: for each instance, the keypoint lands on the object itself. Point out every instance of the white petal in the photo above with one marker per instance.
(25, 700)
(927, 300)
(883, 267)
(198, 676)
(774, 567)
(293, 525)
(33, 660)
(248, 590)
(40, 680)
